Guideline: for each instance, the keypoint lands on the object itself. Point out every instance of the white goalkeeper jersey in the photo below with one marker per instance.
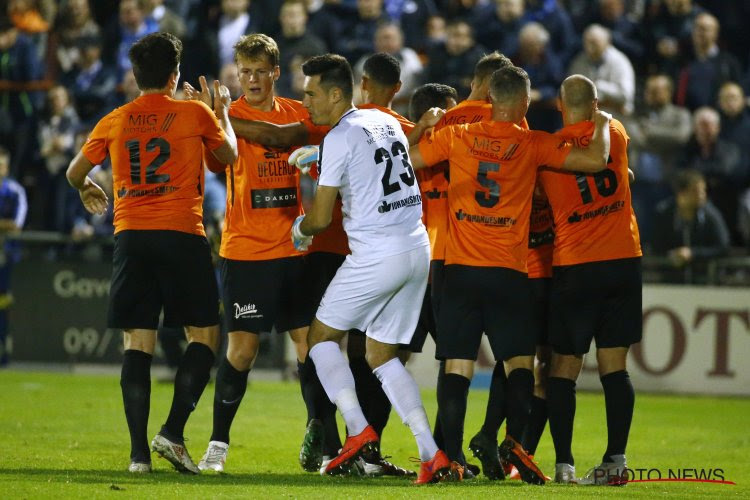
(366, 156)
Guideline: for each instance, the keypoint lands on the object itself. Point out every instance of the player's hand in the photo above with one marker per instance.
(224, 100)
(203, 95)
(299, 240)
(94, 198)
(601, 117)
(304, 157)
(431, 117)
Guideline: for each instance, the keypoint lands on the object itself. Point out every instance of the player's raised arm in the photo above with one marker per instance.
(594, 157)
(227, 152)
(429, 119)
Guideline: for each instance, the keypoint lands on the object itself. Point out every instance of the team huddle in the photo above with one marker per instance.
(458, 224)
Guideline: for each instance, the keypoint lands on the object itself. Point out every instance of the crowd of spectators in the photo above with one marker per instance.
(675, 72)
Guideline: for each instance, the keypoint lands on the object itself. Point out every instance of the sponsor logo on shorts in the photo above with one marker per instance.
(248, 310)
(409, 201)
(605, 210)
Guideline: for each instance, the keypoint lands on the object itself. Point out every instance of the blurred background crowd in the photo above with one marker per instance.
(675, 72)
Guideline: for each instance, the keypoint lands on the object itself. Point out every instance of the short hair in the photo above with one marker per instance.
(334, 71)
(687, 178)
(509, 83)
(4, 153)
(708, 112)
(662, 76)
(577, 91)
(257, 46)
(429, 95)
(489, 63)
(155, 57)
(383, 69)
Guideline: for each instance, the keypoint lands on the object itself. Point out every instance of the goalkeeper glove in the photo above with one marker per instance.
(304, 157)
(299, 240)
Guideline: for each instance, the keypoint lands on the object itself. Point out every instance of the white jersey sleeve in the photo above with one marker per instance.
(366, 155)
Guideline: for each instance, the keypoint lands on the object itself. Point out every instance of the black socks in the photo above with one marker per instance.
(230, 388)
(192, 377)
(375, 404)
(135, 382)
(495, 414)
(535, 427)
(619, 398)
(452, 403)
(561, 407)
(519, 390)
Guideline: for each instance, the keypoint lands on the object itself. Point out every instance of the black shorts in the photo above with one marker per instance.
(320, 268)
(596, 300)
(261, 294)
(154, 269)
(491, 300)
(427, 324)
(540, 290)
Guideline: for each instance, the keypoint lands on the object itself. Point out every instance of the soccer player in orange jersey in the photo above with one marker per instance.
(493, 169)
(596, 286)
(155, 144)
(260, 269)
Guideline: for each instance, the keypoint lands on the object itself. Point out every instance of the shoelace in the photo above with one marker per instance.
(214, 453)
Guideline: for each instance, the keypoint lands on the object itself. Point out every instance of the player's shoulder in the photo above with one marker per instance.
(285, 104)
(617, 128)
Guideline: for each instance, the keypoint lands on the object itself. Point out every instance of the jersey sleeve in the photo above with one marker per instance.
(551, 150)
(95, 148)
(315, 133)
(436, 146)
(210, 129)
(333, 157)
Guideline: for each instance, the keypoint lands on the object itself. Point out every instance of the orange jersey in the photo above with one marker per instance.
(406, 125)
(263, 194)
(594, 219)
(334, 239)
(155, 144)
(541, 235)
(493, 168)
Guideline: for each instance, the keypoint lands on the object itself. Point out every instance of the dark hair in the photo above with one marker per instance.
(4, 153)
(429, 95)
(383, 69)
(334, 71)
(155, 57)
(489, 63)
(508, 83)
(687, 178)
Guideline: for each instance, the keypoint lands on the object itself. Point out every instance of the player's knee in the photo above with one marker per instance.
(463, 367)
(565, 366)
(610, 360)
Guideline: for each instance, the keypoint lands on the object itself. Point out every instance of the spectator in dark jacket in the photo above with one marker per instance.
(453, 62)
(689, 229)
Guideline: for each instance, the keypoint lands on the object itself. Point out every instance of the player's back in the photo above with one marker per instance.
(366, 156)
(594, 218)
(155, 145)
(492, 171)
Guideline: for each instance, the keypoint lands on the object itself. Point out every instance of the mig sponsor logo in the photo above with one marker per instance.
(248, 310)
(486, 220)
(626, 475)
(601, 211)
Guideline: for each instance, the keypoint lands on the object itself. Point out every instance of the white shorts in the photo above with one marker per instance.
(381, 297)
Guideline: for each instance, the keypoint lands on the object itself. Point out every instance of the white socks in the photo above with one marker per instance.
(337, 380)
(403, 393)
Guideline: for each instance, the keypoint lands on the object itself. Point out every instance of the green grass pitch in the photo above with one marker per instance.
(64, 436)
